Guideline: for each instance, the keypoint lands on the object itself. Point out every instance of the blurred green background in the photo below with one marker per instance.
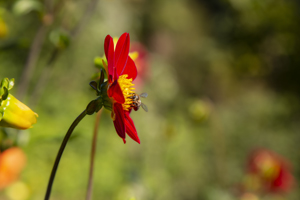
(222, 78)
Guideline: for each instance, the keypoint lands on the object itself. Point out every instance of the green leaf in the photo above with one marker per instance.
(5, 82)
(5, 95)
(22, 7)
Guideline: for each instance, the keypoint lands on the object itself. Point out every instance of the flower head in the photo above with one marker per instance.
(13, 113)
(121, 71)
(270, 170)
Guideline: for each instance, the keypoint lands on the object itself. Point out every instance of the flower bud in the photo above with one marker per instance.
(107, 102)
(15, 114)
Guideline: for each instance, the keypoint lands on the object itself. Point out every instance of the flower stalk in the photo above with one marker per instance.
(60, 152)
(92, 107)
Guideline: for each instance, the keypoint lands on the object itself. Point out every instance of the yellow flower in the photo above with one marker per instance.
(13, 113)
(16, 114)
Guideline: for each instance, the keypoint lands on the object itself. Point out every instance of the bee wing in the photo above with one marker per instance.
(144, 107)
(144, 95)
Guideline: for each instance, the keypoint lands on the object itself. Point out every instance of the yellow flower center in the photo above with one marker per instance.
(127, 89)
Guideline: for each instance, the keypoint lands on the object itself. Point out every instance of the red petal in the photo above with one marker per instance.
(121, 53)
(130, 69)
(110, 55)
(130, 128)
(119, 120)
(115, 92)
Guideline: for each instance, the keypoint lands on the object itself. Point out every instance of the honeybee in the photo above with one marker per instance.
(137, 103)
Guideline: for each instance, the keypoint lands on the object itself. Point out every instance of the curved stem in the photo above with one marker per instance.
(60, 152)
(93, 152)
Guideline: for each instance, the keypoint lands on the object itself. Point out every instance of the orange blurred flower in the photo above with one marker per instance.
(12, 161)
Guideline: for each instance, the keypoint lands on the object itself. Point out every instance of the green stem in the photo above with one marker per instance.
(93, 153)
(60, 152)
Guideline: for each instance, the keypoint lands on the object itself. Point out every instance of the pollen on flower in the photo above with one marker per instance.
(127, 89)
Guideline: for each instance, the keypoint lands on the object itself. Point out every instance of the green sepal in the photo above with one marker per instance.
(101, 80)
(9, 84)
(94, 84)
(99, 107)
(107, 105)
(94, 106)
(5, 82)
(5, 86)
(101, 89)
(91, 107)
(5, 94)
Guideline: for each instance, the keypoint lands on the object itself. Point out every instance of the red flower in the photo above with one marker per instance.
(121, 72)
(272, 170)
